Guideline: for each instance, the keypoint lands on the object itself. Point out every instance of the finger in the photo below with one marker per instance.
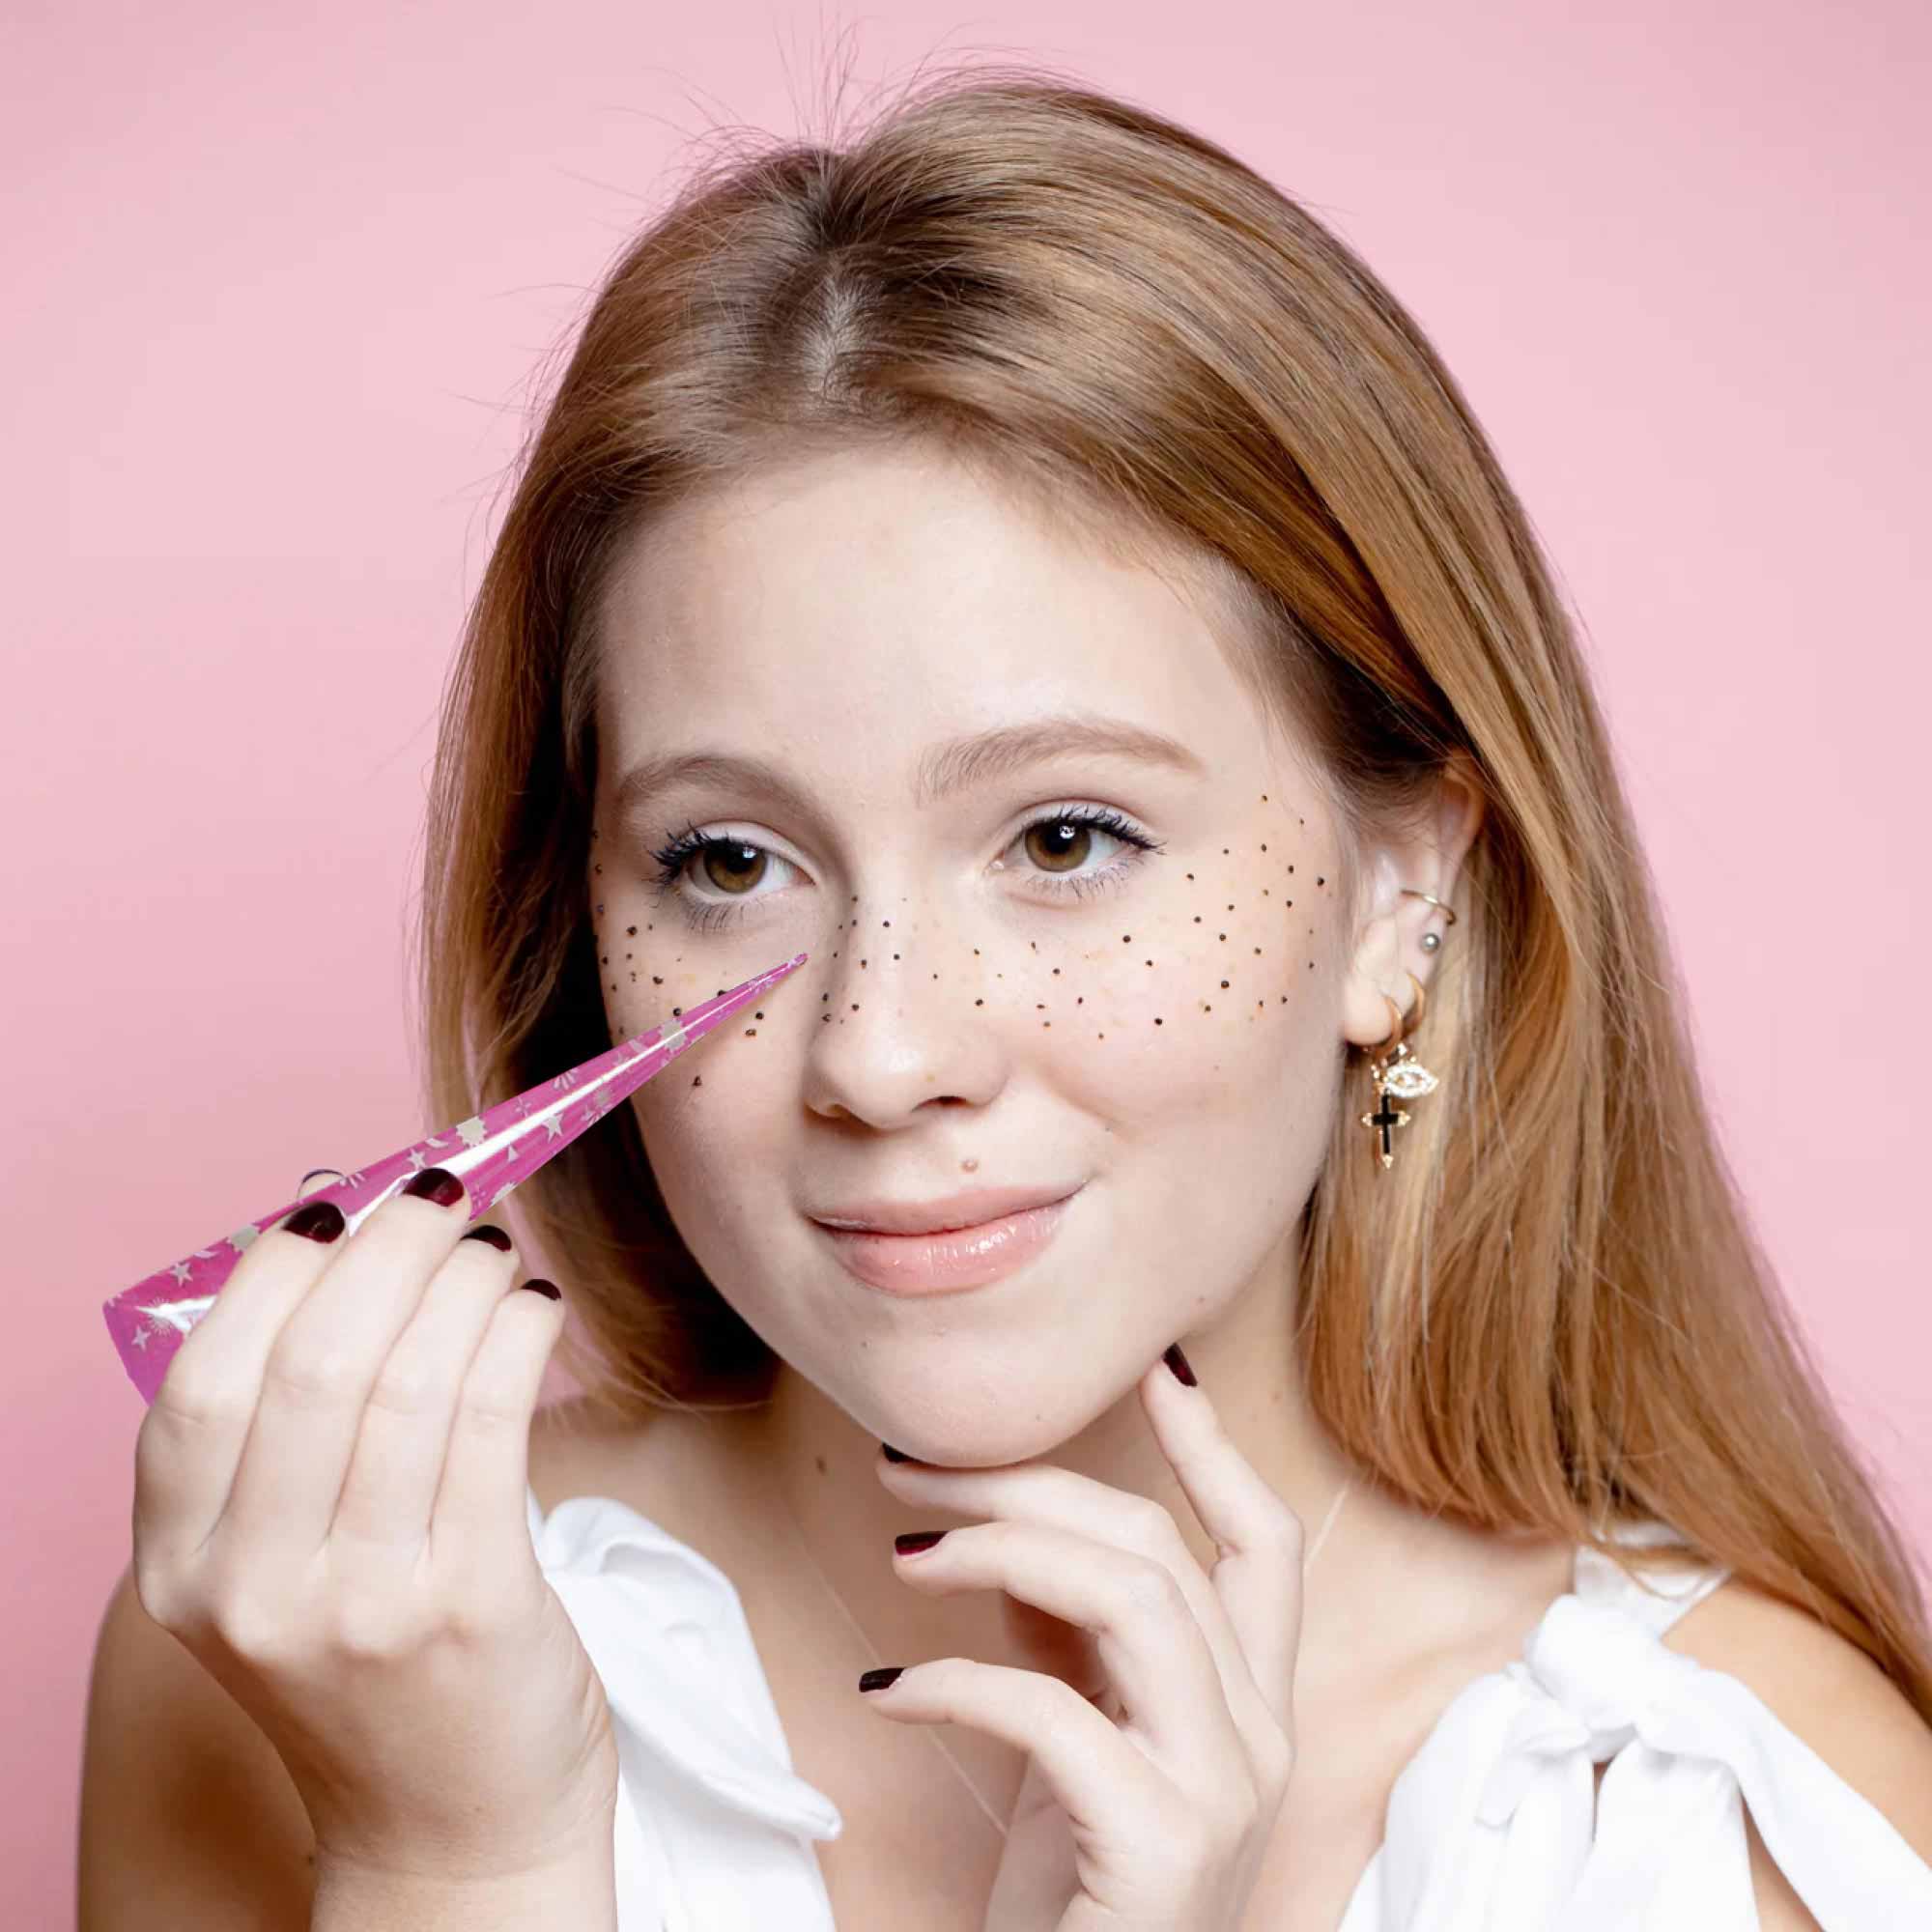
(480, 1528)
(1044, 1493)
(396, 1468)
(191, 1444)
(1107, 1788)
(319, 1369)
(1155, 1655)
(1257, 1576)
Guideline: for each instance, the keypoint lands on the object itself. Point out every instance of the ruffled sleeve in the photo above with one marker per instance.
(1496, 1825)
(714, 1828)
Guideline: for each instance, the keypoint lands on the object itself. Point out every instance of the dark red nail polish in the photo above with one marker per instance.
(877, 1680)
(895, 1454)
(543, 1287)
(1177, 1362)
(438, 1184)
(483, 1232)
(916, 1540)
(318, 1220)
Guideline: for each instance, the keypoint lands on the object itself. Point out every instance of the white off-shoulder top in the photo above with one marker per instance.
(1496, 1825)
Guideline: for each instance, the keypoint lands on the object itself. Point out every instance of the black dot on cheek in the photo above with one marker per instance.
(697, 1080)
(979, 1002)
(1156, 1022)
(855, 1006)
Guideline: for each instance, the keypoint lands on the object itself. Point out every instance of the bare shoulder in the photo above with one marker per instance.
(672, 1469)
(1827, 1692)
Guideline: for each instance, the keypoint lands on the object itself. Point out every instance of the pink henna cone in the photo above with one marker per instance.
(488, 1153)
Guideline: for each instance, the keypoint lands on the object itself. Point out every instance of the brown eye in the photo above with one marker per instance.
(1059, 844)
(732, 865)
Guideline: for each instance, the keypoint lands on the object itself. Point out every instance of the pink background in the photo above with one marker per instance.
(279, 291)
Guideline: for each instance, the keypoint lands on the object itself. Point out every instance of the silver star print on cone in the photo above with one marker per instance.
(489, 1153)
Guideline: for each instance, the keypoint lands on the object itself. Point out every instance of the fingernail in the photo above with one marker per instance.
(895, 1454)
(877, 1680)
(483, 1232)
(318, 1220)
(916, 1540)
(1177, 1362)
(543, 1287)
(438, 1184)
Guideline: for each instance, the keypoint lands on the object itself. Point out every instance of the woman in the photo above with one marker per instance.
(1027, 563)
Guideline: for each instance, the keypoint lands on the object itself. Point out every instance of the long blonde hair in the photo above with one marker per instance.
(1552, 1314)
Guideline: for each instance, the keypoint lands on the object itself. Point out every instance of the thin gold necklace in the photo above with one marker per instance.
(998, 1824)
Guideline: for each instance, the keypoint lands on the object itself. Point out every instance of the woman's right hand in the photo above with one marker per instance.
(329, 1514)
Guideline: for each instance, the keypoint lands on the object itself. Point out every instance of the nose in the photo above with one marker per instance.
(903, 1020)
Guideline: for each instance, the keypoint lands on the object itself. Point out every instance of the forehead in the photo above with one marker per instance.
(889, 589)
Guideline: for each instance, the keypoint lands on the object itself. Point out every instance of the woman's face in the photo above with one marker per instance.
(1002, 988)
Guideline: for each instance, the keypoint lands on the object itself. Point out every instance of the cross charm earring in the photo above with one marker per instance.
(1396, 1070)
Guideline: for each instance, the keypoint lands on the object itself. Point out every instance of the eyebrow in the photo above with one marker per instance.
(944, 771)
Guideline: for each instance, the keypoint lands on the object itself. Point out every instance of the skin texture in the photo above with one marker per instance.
(1173, 1039)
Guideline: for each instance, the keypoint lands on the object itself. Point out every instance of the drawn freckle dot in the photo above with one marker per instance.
(630, 932)
(979, 1002)
(1156, 1022)
(675, 1011)
(751, 1033)
(1197, 919)
(855, 1006)
(1224, 986)
(1125, 937)
(697, 1080)
(1264, 848)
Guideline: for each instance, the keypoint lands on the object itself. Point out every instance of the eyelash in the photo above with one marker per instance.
(683, 846)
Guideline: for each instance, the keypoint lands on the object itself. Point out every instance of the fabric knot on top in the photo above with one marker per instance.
(1592, 1678)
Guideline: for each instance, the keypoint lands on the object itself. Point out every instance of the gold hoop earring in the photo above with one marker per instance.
(1396, 1070)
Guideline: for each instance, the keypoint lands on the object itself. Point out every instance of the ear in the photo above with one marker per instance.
(1389, 923)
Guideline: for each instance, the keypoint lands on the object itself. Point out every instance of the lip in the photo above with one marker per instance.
(948, 1263)
(955, 1213)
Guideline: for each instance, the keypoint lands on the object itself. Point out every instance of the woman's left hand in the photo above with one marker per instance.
(1149, 1807)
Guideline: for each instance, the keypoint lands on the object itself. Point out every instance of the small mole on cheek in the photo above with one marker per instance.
(630, 932)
